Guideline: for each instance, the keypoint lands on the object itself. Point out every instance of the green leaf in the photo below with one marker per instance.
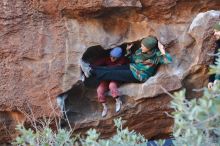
(202, 116)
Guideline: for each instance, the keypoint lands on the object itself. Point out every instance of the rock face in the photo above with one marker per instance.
(42, 41)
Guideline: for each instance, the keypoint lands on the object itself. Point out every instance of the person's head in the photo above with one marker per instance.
(148, 44)
(115, 54)
(217, 30)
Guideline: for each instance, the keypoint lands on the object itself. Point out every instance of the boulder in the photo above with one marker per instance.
(42, 41)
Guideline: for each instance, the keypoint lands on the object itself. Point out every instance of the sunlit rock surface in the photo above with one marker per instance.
(42, 42)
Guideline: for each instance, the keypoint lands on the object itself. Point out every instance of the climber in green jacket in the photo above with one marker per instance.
(144, 62)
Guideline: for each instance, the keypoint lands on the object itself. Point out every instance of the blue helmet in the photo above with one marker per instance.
(116, 52)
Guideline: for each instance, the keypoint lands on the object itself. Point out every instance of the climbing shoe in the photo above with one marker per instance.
(85, 68)
(118, 104)
(105, 109)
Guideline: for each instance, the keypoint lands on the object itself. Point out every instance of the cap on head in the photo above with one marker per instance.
(116, 52)
(217, 26)
(149, 42)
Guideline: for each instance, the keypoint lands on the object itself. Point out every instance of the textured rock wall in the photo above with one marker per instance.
(41, 42)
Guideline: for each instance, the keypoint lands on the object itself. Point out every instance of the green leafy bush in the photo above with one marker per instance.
(197, 121)
(46, 137)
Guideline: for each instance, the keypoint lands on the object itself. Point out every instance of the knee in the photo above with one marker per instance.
(113, 86)
(100, 90)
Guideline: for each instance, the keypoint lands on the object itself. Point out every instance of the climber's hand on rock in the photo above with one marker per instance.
(129, 46)
(216, 82)
(210, 85)
(161, 48)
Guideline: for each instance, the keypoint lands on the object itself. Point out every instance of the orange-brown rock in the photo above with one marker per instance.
(88, 8)
(147, 116)
(41, 42)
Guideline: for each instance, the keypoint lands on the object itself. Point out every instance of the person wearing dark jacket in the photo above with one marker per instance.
(215, 77)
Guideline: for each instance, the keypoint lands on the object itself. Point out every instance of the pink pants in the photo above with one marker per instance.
(105, 86)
